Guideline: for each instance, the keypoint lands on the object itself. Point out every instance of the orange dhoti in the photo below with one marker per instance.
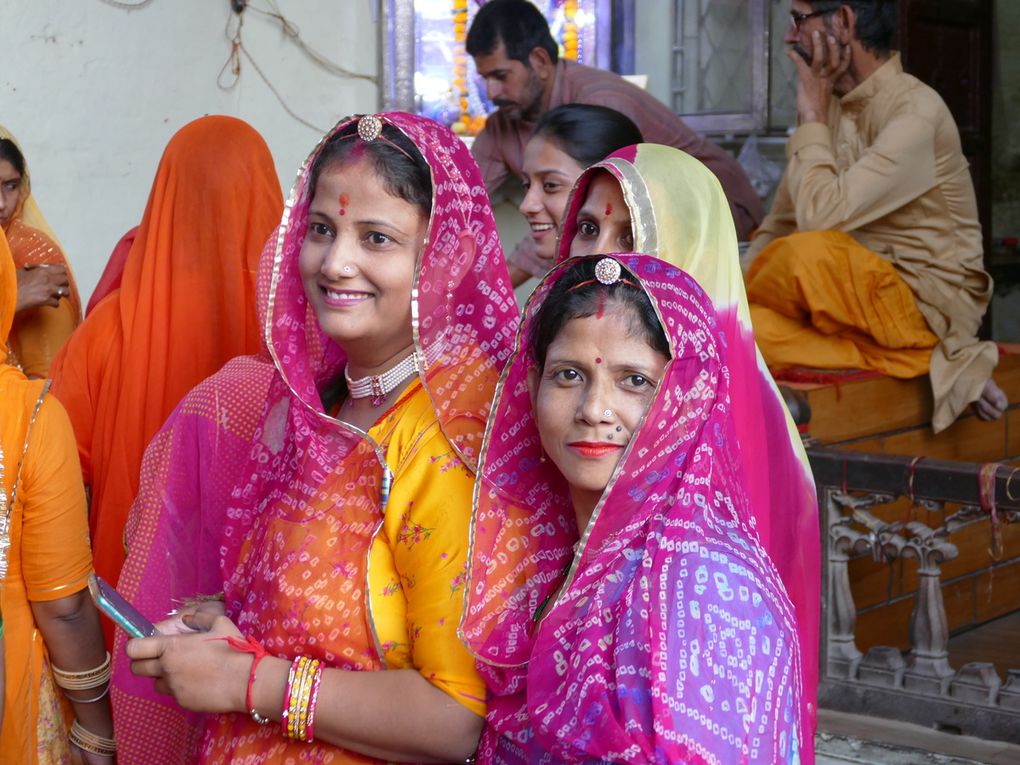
(820, 299)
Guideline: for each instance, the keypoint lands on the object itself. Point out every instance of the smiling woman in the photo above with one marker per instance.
(613, 547)
(677, 212)
(366, 224)
(325, 489)
(588, 364)
(565, 141)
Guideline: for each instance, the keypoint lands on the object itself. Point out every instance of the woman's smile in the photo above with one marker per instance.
(336, 298)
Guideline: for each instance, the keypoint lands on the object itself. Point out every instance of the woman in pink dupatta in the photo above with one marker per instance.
(658, 200)
(330, 541)
(658, 631)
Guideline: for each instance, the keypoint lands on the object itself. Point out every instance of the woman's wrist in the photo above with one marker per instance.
(269, 688)
(239, 671)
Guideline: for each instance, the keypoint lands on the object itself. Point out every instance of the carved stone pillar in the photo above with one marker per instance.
(842, 653)
(929, 671)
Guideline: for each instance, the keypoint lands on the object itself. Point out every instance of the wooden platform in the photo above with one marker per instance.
(885, 415)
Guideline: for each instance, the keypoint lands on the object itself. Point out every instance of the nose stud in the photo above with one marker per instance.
(608, 414)
(346, 269)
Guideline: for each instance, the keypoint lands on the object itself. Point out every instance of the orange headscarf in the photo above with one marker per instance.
(38, 333)
(186, 305)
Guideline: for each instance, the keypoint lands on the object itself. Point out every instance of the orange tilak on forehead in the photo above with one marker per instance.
(344, 201)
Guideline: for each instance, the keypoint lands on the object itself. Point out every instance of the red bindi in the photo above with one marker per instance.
(609, 209)
(344, 201)
(598, 359)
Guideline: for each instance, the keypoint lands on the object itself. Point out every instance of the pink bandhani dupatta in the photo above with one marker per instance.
(679, 213)
(668, 636)
(251, 446)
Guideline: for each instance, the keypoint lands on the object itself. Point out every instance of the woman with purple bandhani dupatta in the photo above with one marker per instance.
(620, 603)
(659, 200)
(324, 488)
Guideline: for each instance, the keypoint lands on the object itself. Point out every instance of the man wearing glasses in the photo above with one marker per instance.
(871, 256)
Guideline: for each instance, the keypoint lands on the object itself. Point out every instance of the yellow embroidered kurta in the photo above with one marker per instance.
(418, 560)
(416, 567)
(889, 171)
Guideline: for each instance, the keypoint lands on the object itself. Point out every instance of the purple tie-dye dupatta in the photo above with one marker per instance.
(668, 636)
(679, 214)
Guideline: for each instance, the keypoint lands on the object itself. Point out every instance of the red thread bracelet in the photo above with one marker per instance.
(252, 646)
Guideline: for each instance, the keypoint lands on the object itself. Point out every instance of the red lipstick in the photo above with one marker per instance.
(594, 449)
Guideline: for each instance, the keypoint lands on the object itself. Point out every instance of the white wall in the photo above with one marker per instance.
(93, 94)
(653, 46)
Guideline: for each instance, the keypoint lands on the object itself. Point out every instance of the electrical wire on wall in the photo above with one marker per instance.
(232, 66)
(127, 6)
(291, 30)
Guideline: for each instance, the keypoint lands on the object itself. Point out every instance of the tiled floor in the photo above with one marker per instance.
(845, 738)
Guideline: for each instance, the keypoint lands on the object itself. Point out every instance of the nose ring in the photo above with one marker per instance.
(346, 269)
(608, 414)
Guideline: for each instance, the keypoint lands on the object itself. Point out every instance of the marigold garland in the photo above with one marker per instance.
(570, 32)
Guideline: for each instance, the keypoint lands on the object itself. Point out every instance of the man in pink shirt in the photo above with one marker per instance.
(517, 57)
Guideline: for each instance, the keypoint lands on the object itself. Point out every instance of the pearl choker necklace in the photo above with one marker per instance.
(380, 386)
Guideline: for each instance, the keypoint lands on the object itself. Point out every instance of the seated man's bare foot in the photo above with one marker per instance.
(993, 402)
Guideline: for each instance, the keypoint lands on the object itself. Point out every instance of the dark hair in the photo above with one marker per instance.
(876, 22)
(10, 152)
(518, 24)
(588, 133)
(578, 295)
(406, 176)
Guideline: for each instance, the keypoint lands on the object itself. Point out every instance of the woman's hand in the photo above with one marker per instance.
(199, 669)
(42, 285)
(174, 625)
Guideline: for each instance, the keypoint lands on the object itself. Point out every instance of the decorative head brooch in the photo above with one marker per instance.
(370, 128)
(607, 272)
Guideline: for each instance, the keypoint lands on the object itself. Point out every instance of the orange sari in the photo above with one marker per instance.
(37, 334)
(185, 306)
(43, 520)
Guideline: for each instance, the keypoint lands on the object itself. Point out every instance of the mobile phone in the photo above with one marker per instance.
(124, 615)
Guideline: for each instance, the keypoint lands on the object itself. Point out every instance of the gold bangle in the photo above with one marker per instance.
(88, 741)
(297, 705)
(84, 680)
(93, 700)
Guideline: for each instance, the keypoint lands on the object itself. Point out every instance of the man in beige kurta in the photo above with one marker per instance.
(876, 164)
